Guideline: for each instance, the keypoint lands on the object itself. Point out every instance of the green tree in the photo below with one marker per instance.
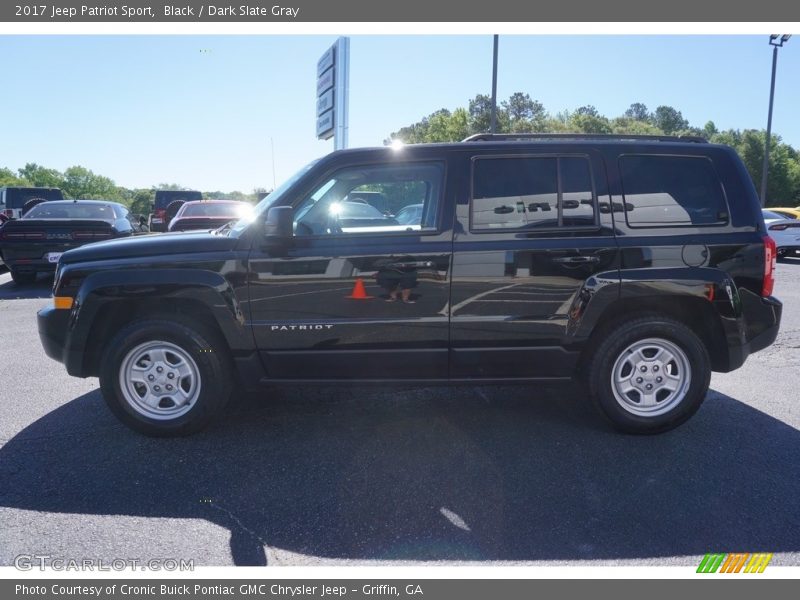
(38, 176)
(586, 111)
(587, 120)
(783, 178)
(524, 114)
(8, 177)
(80, 182)
(710, 130)
(521, 114)
(628, 125)
(638, 112)
(141, 201)
(480, 115)
(669, 120)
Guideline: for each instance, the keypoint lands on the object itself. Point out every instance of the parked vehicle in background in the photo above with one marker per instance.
(789, 213)
(167, 203)
(785, 232)
(15, 201)
(515, 273)
(139, 223)
(34, 243)
(410, 215)
(3, 219)
(208, 214)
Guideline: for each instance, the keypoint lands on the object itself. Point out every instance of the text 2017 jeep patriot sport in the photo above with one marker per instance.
(638, 264)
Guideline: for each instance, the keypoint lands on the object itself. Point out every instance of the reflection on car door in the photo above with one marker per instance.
(322, 309)
(531, 247)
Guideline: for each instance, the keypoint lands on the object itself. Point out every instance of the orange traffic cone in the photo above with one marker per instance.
(359, 291)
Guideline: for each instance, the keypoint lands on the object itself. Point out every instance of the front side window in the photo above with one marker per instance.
(532, 192)
(671, 191)
(373, 199)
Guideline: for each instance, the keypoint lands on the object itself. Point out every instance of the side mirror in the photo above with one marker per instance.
(142, 220)
(278, 225)
(152, 207)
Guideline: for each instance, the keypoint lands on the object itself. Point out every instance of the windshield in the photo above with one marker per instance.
(262, 207)
(233, 210)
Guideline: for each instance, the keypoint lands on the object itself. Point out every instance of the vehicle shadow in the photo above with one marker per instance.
(41, 288)
(469, 474)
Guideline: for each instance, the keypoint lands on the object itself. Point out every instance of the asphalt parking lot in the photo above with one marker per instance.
(359, 475)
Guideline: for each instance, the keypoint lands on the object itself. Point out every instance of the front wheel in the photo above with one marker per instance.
(166, 378)
(649, 375)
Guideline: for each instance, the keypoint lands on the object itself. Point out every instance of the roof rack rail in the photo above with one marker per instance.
(505, 137)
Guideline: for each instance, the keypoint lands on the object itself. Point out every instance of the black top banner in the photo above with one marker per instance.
(496, 11)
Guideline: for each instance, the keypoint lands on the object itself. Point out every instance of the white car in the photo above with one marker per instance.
(785, 232)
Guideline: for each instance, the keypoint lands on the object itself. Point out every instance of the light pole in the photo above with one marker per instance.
(776, 41)
(494, 87)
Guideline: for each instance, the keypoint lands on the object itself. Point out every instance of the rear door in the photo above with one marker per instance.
(357, 295)
(534, 243)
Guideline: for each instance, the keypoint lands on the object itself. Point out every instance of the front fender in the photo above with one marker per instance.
(162, 288)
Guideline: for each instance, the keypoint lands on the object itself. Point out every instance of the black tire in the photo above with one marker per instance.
(23, 277)
(172, 209)
(614, 344)
(31, 203)
(204, 346)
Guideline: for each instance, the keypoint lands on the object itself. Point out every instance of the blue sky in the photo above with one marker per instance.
(205, 111)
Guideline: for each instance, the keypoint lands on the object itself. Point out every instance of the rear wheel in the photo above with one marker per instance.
(23, 277)
(166, 378)
(649, 375)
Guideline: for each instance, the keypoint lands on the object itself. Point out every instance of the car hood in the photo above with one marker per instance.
(150, 245)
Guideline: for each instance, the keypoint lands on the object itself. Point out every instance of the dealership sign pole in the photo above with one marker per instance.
(333, 90)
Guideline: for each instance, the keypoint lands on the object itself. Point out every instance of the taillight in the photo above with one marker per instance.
(23, 235)
(90, 235)
(770, 257)
(783, 226)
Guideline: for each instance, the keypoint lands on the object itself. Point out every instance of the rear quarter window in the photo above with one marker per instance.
(528, 192)
(671, 191)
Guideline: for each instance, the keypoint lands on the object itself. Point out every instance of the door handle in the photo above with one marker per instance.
(577, 260)
(416, 264)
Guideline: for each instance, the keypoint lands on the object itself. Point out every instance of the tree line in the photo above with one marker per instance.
(518, 114)
(80, 182)
(522, 114)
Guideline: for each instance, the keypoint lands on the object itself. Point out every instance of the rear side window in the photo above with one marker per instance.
(671, 191)
(532, 192)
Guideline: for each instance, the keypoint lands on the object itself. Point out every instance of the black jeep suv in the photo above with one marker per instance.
(637, 264)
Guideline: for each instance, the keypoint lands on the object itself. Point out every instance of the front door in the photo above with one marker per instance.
(362, 291)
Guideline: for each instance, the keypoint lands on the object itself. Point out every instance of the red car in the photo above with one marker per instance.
(208, 214)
